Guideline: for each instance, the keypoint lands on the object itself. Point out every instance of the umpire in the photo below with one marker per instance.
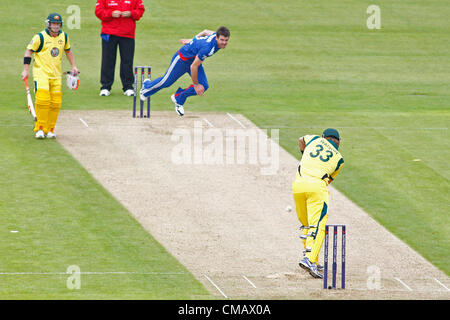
(118, 30)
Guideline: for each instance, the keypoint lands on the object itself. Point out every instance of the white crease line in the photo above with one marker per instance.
(240, 123)
(84, 122)
(442, 284)
(98, 273)
(249, 281)
(404, 284)
(215, 286)
(209, 123)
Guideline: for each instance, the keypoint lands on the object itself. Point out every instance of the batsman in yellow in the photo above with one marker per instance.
(320, 164)
(48, 47)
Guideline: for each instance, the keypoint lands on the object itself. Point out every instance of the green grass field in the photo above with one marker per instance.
(294, 65)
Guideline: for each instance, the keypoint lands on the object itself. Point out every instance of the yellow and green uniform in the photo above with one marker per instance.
(48, 52)
(320, 164)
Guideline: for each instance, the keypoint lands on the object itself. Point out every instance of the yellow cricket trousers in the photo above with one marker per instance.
(311, 197)
(48, 102)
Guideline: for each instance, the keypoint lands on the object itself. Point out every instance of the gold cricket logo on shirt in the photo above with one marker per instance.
(54, 52)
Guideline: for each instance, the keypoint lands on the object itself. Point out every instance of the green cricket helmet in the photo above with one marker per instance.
(54, 17)
(330, 132)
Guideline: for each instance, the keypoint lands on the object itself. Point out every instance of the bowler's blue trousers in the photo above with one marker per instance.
(177, 68)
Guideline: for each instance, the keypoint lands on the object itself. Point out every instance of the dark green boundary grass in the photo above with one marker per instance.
(65, 217)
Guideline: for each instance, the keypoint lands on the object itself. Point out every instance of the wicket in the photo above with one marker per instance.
(334, 264)
(136, 93)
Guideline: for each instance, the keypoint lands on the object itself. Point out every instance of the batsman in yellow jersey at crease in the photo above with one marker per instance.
(48, 47)
(320, 164)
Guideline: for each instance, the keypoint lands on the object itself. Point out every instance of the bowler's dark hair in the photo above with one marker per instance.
(223, 31)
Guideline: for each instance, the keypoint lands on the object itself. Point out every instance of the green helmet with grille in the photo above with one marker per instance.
(54, 17)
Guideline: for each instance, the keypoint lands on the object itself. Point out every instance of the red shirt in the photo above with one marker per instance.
(121, 27)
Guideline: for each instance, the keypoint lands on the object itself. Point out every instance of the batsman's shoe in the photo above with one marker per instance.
(51, 135)
(128, 93)
(319, 266)
(104, 93)
(40, 134)
(314, 272)
(305, 264)
(178, 107)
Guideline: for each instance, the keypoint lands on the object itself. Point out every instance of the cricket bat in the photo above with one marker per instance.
(30, 100)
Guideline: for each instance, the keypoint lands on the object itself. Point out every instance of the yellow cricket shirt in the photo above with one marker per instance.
(48, 53)
(321, 158)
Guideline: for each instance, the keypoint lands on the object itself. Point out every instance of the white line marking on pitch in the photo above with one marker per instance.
(215, 285)
(97, 273)
(249, 281)
(209, 123)
(404, 284)
(240, 123)
(84, 122)
(442, 284)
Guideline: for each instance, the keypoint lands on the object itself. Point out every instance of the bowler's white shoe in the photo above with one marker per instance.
(51, 135)
(40, 134)
(178, 107)
(141, 95)
(144, 88)
(129, 93)
(104, 93)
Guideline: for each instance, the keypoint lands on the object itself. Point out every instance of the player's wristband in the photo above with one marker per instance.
(26, 60)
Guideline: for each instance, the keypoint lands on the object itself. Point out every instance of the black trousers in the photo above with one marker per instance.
(109, 54)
